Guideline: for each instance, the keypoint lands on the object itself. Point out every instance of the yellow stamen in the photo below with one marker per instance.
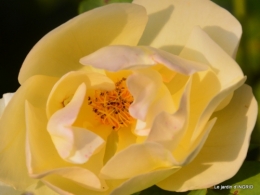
(111, 107)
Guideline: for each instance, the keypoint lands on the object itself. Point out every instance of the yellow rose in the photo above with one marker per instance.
(127, 96)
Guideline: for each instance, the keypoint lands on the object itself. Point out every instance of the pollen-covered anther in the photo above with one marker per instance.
(111, 107)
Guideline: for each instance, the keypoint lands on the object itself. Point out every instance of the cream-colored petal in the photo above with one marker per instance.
(168, 129)
(43, 159)
(143, 181)
(12, 130)
(124, 57)
(4, 101)
(59, 51)
(151, 97)
(201, 109)
(137, 159)
(64, 89)
(231, 135)
(74, 144)
(65, 186)
(79, 175)
(126, 137)
(171, 21)
(39, 188)
(41, 154)
(201, 48)
(6, 190)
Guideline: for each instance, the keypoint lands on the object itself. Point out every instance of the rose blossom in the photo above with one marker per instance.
(127, 96)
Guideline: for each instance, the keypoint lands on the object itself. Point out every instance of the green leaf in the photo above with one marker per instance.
(87, 5)
(119, 1)
(245, 182)
(154, 190)
(198, 192)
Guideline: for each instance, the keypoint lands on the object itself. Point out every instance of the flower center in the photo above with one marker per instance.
(111, 107)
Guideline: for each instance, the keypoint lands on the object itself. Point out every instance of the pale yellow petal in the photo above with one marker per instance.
(7, 190)
(41, 154)
(126, 57)
(4, 101)
(151, 97)
(137, 159)
(65, 88)
(59, 51)
(201, 48)
(74, 144)
(12, 130)
(143, 181)
(169, 128)
(171, 21)
(230, 135)
(65, 186)
(39, 188)
(81, 176)
(42, 157)
(205, 97)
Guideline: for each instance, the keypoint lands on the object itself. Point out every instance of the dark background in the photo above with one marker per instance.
(22, 24)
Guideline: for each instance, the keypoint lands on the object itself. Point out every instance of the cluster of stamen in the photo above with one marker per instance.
(111, 107)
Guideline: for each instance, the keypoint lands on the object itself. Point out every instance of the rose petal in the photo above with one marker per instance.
(39, 188)
(64, 186)
(41, 155)
(123, 57)
(4, 101)
(179, 18)
(137, 159)
(74, 144)
(202, 108)
(168, 129)
(201, 48)
(143, 181)
(231, 135)
(7, 190)
(151, 97)
(12, 132)
(65, 88)
(58, 52)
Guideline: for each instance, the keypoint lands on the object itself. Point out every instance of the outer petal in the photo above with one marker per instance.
(6, 190)
(64, 186)
(43, 159)
(41, 155)
(201, 48)
(143, 181)
(59, 51)
(39, 189)
(137, 159)
(124, 57)
(230, 135)
(171, 21)
(4, 101)
(12, 130)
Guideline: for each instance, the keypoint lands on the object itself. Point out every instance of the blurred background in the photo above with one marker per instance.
(24, 22)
